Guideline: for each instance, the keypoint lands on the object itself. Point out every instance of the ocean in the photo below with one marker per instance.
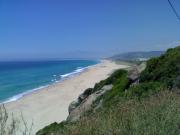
(20, 78)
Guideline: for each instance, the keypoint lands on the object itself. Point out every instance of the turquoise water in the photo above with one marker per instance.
(20, 78)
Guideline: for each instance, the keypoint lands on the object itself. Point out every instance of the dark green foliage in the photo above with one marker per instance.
(110, 80)
(120, 84)
(164, 69)
(88, 91)
(116, 76)
(85, 94)
(54, 128)
(144, 89)
(176, 83)
(99, 85)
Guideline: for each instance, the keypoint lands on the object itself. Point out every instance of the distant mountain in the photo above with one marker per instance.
(138, 56)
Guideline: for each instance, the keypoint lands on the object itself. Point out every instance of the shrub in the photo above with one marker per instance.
(120, 84)
(164, 69)
(144, 89)
(110, 80)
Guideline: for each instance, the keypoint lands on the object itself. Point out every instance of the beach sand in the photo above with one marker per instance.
(50, 104)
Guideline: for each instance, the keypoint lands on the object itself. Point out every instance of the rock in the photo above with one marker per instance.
(98, 105)
(133, 74)
(81, 97)
(85, 94)
(107, 87)
(86, 105)
(73, 105)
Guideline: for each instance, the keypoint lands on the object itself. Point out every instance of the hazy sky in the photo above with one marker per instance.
(82, 28)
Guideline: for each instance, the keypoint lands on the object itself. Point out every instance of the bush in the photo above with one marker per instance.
(164, 69)
(110, 80)
(120, 84)
(144, 89)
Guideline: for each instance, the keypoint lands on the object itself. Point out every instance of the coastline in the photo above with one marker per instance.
(75, 72)
(52, 102)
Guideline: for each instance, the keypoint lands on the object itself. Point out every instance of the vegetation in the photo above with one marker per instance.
(10, 126)
(114, 79)
(151, 107)
(4, 129)
(158, 115)
(56, 129)
(120, 84)
(165, 69)
(144, 90)
(133, 117)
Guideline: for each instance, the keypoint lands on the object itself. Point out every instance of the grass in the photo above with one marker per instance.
(9, 125)
(156, 115)
(151, 107)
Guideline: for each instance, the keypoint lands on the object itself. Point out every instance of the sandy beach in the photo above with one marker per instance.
(50, 104)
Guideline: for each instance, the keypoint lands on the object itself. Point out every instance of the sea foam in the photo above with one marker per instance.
(64, 76)
(75, 72)
(16, 97)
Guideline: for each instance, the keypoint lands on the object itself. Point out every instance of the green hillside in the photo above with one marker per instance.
(146, 103)
(165, 69)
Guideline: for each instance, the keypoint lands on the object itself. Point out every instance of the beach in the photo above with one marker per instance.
(50, 104)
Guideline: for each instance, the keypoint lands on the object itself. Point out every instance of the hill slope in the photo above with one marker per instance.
(129, 102)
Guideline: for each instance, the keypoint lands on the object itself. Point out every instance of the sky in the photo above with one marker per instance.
(54, 29)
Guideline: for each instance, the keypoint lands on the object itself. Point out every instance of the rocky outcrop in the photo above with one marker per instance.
(80, 99)
(73, 105)
(85, 105)
(85, 94)
(87, 101)
(133, 75)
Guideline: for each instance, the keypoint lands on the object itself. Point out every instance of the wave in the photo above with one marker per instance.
(18, 96)
(55, 80)
(75, 72)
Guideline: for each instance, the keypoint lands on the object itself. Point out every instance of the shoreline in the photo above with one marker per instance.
(64, 77)
(53, 101)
